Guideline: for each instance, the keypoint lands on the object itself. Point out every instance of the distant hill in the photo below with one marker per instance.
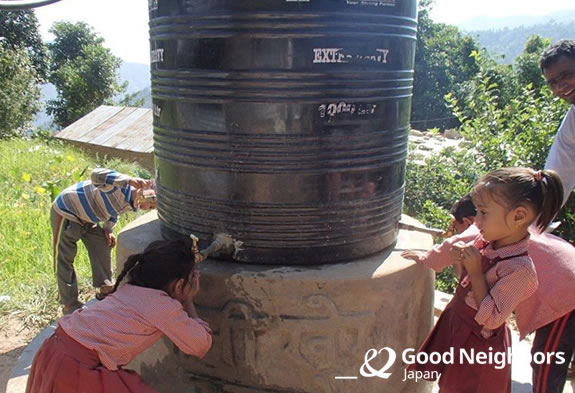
(42, 118)
(481, 23)
(145, 94)
(511, 41)
(137, 75)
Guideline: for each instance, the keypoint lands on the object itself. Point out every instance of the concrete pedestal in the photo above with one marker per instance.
(297, 328)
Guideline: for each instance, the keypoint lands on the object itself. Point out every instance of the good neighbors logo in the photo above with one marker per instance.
(462, 356)
(368, 371)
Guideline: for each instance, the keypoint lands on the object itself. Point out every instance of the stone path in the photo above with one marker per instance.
(428, 144)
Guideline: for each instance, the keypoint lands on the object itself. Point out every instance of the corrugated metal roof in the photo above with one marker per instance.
(122, 128)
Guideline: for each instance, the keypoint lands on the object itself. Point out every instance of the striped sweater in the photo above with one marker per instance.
(101, 199)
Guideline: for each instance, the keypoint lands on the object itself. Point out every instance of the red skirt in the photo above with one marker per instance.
(63, 365)
(456, 328)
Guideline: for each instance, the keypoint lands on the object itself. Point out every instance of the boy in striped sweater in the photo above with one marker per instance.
(76, 215)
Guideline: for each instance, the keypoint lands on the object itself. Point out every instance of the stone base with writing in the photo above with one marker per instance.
(297, 328)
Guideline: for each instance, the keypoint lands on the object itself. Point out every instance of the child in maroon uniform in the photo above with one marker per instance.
(548, 313)
(497, 276)
(90, 346)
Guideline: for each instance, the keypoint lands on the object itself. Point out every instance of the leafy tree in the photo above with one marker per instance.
(84, 72)
(19, 30)
(527, 64)
(19, 95)
(69, 42)
(22, 68)
(518, 133)
(443, 62)
(503, 86)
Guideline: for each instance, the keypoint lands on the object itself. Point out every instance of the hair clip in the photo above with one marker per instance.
(538, 175)
(137, 263)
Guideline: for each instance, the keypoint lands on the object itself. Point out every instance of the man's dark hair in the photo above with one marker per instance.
(555, 51)
(463, 208)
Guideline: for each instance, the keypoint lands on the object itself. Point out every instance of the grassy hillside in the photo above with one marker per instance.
(33, 173)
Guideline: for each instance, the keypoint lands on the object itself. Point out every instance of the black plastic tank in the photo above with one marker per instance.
(283, 123)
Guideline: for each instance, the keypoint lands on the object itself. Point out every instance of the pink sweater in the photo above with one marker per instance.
(133, 319)
(554, 261)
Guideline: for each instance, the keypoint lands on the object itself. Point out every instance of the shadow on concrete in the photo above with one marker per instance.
(7, 362)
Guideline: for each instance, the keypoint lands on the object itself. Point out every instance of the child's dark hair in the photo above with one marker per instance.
(513, 187)
(463, 208)
(161, 263)
(554, 52)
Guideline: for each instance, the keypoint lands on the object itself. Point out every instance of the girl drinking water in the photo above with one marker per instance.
(90, 346)
(497, 274)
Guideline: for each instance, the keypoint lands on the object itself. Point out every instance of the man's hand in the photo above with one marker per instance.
(111, 239)
(141, 184)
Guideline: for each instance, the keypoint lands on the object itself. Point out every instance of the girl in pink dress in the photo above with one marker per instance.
(90, 347)
(497, 275)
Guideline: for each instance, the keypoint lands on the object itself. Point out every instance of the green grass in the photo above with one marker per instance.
(32, 173)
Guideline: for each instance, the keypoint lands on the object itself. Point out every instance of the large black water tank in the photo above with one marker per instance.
(283, 123)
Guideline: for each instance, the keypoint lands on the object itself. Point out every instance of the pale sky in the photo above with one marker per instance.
(456, 11)
(124, 23)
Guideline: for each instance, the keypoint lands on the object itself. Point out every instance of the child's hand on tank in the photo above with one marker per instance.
(413, 255)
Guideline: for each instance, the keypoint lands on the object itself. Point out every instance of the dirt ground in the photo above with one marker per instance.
(13, 340)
